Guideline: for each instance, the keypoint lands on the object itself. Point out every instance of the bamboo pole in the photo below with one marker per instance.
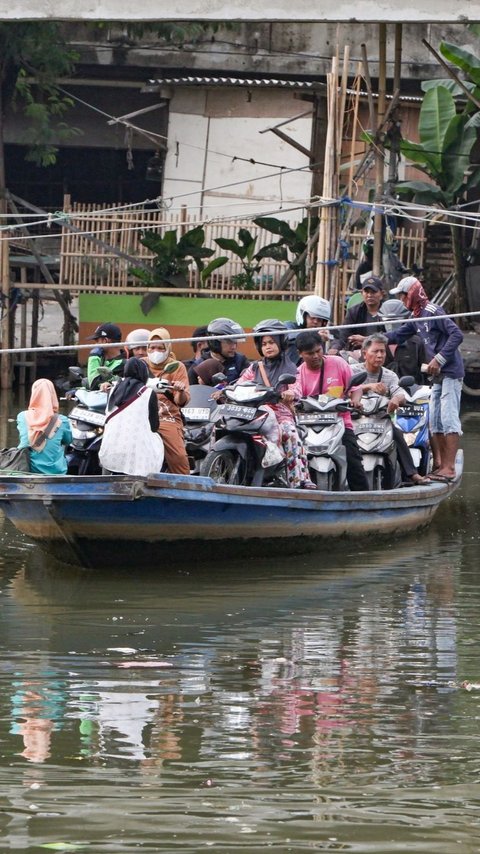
(379, 152)
(354, 130)
(5, 368)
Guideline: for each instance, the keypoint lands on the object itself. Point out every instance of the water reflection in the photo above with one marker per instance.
(302, 704)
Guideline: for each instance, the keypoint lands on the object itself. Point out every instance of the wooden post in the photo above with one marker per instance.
(379, 155)
(5, 368)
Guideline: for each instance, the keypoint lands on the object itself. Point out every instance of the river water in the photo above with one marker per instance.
(328, 702)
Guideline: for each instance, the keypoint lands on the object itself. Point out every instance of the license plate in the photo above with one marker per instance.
(369, 427)
(317, 418)
(196, 413)
(408, 411)
(87, 416)
(234, 411)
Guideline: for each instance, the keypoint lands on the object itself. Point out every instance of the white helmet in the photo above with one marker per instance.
(315, 307)
(136, 338)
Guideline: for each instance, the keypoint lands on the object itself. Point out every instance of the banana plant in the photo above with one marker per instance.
(443, 154)
(173, 257)
(292, 244)
(243, 248)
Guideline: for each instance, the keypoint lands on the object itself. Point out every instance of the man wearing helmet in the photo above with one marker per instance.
(313, 312)
(442, 338)
(231, 363)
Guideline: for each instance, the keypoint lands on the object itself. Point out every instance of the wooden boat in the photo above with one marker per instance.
(123, 521)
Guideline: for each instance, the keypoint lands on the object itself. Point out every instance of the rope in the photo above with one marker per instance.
(58, 348)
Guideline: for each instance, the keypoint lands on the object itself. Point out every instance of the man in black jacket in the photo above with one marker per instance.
(353, 337)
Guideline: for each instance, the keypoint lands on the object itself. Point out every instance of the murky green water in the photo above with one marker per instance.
(306, 704)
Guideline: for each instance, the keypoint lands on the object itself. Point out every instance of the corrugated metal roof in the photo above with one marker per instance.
(255, 82)
(250, 82)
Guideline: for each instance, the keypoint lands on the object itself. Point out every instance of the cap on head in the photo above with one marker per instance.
(372, 283)
(404, 285)
(106, 330)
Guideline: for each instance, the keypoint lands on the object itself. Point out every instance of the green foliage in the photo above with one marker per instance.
(33, 56)
(173, 257)
(292, 244)
(244, 249)
(443, 153)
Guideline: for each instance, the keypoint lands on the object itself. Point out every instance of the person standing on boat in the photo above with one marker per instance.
(130, 443)
(442, 338)
(320, 374)
(274, 362)
(170, 401)
(44, 431)
(107, 353)
(363, 312)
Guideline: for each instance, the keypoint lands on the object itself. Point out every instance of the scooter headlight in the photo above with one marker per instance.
(410, 439)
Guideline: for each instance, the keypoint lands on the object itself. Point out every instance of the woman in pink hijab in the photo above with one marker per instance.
(44, 431)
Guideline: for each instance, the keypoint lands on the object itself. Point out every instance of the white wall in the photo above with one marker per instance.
(241, 10)
(202, 148)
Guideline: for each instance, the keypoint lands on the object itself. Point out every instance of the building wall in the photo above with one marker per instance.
(241, 10)
(212, 132)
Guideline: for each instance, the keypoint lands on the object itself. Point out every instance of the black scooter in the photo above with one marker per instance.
(241, 453)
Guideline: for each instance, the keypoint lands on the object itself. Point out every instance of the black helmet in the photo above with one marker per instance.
(270, 327)
(223, 326)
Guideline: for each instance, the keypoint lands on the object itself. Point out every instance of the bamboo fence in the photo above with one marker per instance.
(88, 267)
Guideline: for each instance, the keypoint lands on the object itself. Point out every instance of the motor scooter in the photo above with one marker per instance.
(374, 431)
(322, 428)
(87, 419)
(412, 418)
(241, 452)
(198, 416)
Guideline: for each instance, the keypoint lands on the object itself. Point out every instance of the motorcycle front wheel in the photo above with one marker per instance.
(223, 467)
(324, 480)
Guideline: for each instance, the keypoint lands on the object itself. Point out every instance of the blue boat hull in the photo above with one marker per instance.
(98, 521)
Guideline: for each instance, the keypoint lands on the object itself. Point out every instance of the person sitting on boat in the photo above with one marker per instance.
(313, 312)
(225, 351)
(44, 431)
(381, 380)
(200, 350)
(320, 374)
(136, 342)
(271, 343)
(170, 401)
(107, 353)
(130, 442)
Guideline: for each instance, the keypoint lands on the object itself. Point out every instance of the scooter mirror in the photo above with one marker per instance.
(218, 378)
(171, 367)
(286, 379)
(406, 382)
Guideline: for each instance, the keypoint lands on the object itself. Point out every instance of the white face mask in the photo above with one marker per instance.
(156, 357)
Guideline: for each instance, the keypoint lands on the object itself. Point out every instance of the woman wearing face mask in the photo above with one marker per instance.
(159, 355)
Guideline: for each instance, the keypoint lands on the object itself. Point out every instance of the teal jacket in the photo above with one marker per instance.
(52, 459)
